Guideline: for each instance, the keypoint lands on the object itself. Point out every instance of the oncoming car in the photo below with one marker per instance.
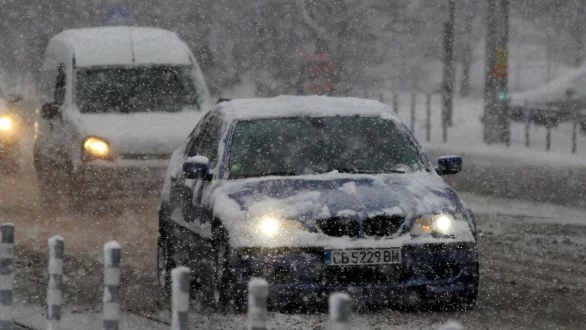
(316, 195)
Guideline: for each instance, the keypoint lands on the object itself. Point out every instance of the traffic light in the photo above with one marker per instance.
(501, 96)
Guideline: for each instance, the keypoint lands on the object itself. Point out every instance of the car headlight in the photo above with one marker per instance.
(96, 148)
(439, 224)
(6, 123)
(270, 226)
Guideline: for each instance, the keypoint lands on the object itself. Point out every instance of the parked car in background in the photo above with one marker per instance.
(116, 101)
(561, 100)
(316, 195)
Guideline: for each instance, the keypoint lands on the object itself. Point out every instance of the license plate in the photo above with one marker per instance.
(363, 257)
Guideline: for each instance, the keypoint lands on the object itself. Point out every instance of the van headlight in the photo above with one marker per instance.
(96, 148)
(443, 224)
(270, 227)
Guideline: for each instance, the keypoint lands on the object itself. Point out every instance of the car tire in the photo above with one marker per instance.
(224, 295)
(467, 300)
(165, 257)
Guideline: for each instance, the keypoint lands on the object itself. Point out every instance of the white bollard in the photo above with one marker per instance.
(111, 299)
(340, 305)
(258, 292)
(55, 286)
(6, 275)
(452, 325)
(180, 305)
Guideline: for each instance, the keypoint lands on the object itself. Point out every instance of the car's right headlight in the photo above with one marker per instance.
(96, 148)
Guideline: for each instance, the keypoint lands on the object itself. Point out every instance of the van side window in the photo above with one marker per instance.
(60, 85)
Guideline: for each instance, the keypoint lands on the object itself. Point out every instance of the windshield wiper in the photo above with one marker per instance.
(261, 174)
(358, 171)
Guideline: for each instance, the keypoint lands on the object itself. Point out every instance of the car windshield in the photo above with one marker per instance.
(137, 89)
(296, 146)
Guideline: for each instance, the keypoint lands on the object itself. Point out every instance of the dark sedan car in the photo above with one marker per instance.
(316, 195)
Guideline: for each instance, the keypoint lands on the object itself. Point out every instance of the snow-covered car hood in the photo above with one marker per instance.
(311, 197)
(240, 203)
(139, 133)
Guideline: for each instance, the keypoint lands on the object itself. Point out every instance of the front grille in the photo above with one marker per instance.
(339, 226)
(443, 270)
(145, 156)
(360, 275)
(382, 225)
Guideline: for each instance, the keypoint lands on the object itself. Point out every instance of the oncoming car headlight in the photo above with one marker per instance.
(96, 148)
(6, 123)
(443, 224)
(270, 226)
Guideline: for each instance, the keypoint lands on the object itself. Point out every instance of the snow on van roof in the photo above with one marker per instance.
(120, 45)
(308, 106)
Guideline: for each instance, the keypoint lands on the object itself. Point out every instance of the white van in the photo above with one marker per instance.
(116, 101)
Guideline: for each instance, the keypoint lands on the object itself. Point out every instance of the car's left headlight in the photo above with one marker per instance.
(6, 123)
(444, 224)
(270, 226)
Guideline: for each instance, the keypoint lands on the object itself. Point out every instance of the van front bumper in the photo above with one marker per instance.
(122, 175)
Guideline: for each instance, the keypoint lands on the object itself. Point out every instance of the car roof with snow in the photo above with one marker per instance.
(302, 106)
(122, 45)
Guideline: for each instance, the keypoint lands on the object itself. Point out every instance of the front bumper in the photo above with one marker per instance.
(427, 272)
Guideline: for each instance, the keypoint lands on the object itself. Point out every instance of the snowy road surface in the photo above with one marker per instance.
(533, 265)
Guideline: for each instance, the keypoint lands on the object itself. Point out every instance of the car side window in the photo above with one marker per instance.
(210, 143)
(198, 136)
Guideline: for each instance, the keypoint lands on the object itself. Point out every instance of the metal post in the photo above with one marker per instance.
(396, 103)
(575, 135)
(111, 299)
(340, 309)
(365, 94)
(449, 71)
(413, 100)
(180, 306)
(381, 98)
(548, 138)
(6, 275)
(258, 292)
(527, 124)
(428, 118)
(527, 134)
(56, 249)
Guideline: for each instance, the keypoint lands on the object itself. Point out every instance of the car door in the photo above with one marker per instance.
(53, 87)
(191, 212)
(208, 148)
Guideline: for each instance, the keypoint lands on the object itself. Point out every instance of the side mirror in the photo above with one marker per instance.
(13, 98)
(447, 165)
(50, 110)
(197, 168)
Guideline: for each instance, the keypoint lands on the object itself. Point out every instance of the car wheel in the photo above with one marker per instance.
(467, 300)
(165, 258)
(224, 294)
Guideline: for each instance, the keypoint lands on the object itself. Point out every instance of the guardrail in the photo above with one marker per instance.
(340, 304)
(530, 118)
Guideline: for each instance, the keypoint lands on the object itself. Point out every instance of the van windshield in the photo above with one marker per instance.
(136, 89)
